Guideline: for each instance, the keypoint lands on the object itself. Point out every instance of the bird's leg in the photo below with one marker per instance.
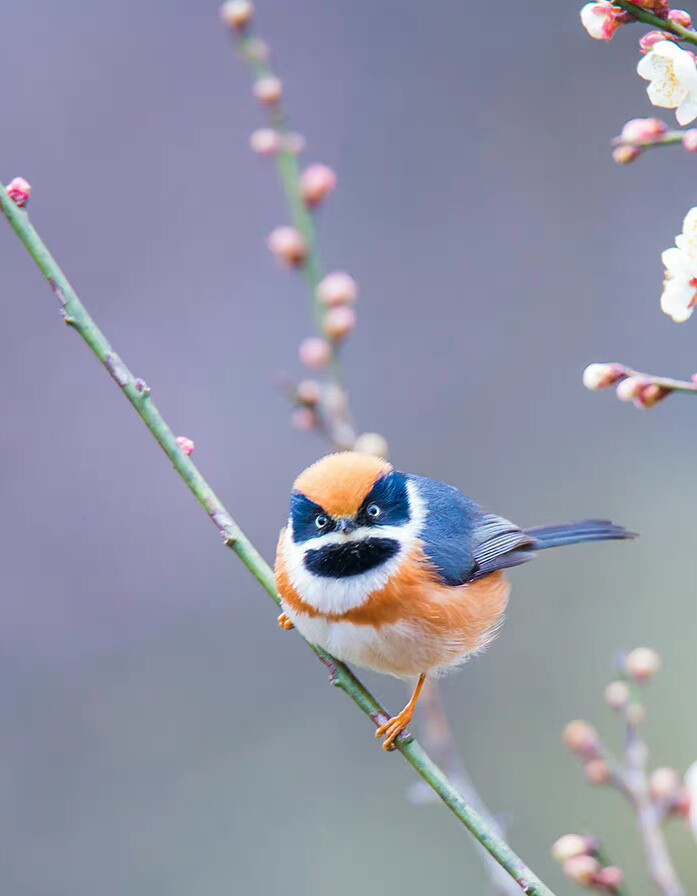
(394, 726)
(284, 622)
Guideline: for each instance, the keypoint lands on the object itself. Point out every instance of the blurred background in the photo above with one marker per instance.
(159, 735)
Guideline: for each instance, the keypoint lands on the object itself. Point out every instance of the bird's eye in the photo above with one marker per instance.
(373, 511)
(321, 521)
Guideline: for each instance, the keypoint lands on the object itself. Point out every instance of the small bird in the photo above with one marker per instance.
(400, 573)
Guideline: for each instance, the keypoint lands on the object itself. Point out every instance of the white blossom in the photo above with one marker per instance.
(680, 261)
(672, 77)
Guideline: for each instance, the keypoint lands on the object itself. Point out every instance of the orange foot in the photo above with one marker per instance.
(284, 622)
(393, 727)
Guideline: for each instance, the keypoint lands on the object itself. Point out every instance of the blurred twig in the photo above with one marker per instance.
(138, 393)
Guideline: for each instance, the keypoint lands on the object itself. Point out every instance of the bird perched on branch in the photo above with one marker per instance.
(400, 573)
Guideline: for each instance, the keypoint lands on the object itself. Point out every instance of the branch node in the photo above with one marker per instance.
(142, 387)
(60, 295)
(117, 369)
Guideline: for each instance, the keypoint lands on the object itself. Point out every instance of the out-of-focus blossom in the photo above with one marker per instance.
(582, 738)
(372, 443)
(265, 142)
(625, 154)
(571, 845)
(643, 130)
(680, 285)
(337, 288)
(610, 878)
(582, 870)
(315, 353)
(316, 183)
(304, 419)
(237, 13)
(617, 695)
(672, 74)
(642, 664)
(288, 245)
(602, 20)
(339, 322)
(268, 90)
(689, 140)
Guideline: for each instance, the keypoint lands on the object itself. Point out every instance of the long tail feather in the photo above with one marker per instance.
(575, 533)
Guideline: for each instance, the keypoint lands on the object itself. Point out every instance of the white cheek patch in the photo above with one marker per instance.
(337, 596)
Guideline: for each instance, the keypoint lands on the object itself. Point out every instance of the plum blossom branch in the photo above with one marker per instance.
(650, 18)
(139, 395)
(653, 797)
(645, 390)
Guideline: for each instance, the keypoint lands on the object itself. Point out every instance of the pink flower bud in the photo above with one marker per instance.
(665, 784)
(689, 140)
(643, 130)
(304, 419)
(294, 142)
(582, 870)
(629, 389)
(642, 664)
(268, 90)
(265, 142)
(316, 183)
(600, 376)
(337, 289)
(186, 445)
(601, 19)
(651, 38)
(372, 443)
(597, 771)
(315, 353)
(570, 845)
(288, 245)
(680, 17)
(582, 738)
(237, 13)
(308, 393)
(338, 323)
(657, 7)
(19, 191)
(617, 695)
(625, 155)
(610, 879)
(651, 395)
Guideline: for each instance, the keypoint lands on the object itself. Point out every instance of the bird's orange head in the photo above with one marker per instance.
(340, 483)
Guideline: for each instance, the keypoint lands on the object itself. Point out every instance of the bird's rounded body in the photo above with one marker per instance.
(400, 573)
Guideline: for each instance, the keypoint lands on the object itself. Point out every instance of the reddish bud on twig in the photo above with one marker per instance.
(315, 352)
(337, 288)
(629, 389)
(582, 870)
(309, 393)
(625, 155)
(237, 13)
(265, 142)
(643, 130)
(19, 191)
(288, 245)
(610, 878)
(680, 17)
(338, 323)
(689, 140)
(651, 38)
(642, 664)
(665, 785)
(372, 443)
(582, 738)
(617, 695)
(316, 183)
(600, 376)
(186, 445)
(597, 771)
(268, 90)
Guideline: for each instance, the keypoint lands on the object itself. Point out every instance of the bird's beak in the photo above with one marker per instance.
(346, 525)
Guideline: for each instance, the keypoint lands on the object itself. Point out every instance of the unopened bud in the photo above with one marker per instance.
(597, 771)
(337, 288)
(651, 395)
(617, 695)
(315, 353)
(601, 19)
(288, 245)
(265, 142)
(629, 389)
(372, 443)
(582, 870)
(582, 738)
(237, 13)
(304, 419)
(186, 445)
(680, 17)
(338, 323)
(570, 845)
(642, 664)
(665, 784)
(643, 130)
(610, 879)
(19, 191)
(600, 376)
(268, 90)
(651, 38)
(625, 154)
(309, 393)
(316, 183)
(689, 140)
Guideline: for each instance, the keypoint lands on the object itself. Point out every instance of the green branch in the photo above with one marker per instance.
(649, 18)
(138, 394)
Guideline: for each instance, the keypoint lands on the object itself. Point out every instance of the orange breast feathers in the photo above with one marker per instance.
(466, 614)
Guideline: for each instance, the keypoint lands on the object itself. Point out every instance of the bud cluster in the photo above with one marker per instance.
(643, 391)
(578, 856)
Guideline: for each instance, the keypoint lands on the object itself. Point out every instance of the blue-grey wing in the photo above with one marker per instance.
(463, 542)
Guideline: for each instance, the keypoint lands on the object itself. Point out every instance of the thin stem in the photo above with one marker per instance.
(670, 138)
(138, 394)
(664, 382)
(686, 34)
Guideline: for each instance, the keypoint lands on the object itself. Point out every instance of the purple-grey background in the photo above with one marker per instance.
(158, 734)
